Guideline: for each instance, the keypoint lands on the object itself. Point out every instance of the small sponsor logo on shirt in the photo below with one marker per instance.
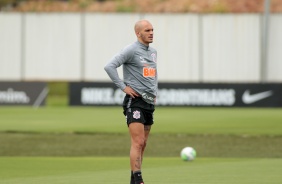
(142, 60)
(147, 98)
(154, 56)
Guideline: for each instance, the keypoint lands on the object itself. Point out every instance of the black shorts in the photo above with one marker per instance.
(137, 110)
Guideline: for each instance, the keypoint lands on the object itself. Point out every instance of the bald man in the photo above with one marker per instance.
(140, 85)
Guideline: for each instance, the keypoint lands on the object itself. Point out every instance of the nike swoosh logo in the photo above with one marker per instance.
(248, 98)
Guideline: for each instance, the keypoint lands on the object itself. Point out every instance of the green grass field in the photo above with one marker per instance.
(223, 121)
(168, 170)
(90, 145)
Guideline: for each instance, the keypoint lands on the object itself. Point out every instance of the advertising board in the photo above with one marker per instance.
(184, 94)
(23, 93)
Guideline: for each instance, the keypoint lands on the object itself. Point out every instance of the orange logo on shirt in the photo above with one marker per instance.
(149, 72)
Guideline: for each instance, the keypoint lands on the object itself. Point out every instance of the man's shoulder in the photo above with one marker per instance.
(128, 51)
(130, 47)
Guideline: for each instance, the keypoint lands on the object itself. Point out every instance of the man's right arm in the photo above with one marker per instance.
(111, 69)
(118, 60)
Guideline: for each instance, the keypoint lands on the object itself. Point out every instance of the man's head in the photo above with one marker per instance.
(144, 31)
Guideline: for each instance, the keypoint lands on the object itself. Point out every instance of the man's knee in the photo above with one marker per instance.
(140, 143)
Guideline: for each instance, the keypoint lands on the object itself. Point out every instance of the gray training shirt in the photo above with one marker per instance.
(139, 70)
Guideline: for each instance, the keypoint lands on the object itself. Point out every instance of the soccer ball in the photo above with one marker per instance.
(188, 154)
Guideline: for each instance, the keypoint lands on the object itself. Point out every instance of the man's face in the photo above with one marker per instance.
(146, 33)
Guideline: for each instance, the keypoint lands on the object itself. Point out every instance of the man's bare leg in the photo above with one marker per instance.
(147, 129)
(139, 135)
